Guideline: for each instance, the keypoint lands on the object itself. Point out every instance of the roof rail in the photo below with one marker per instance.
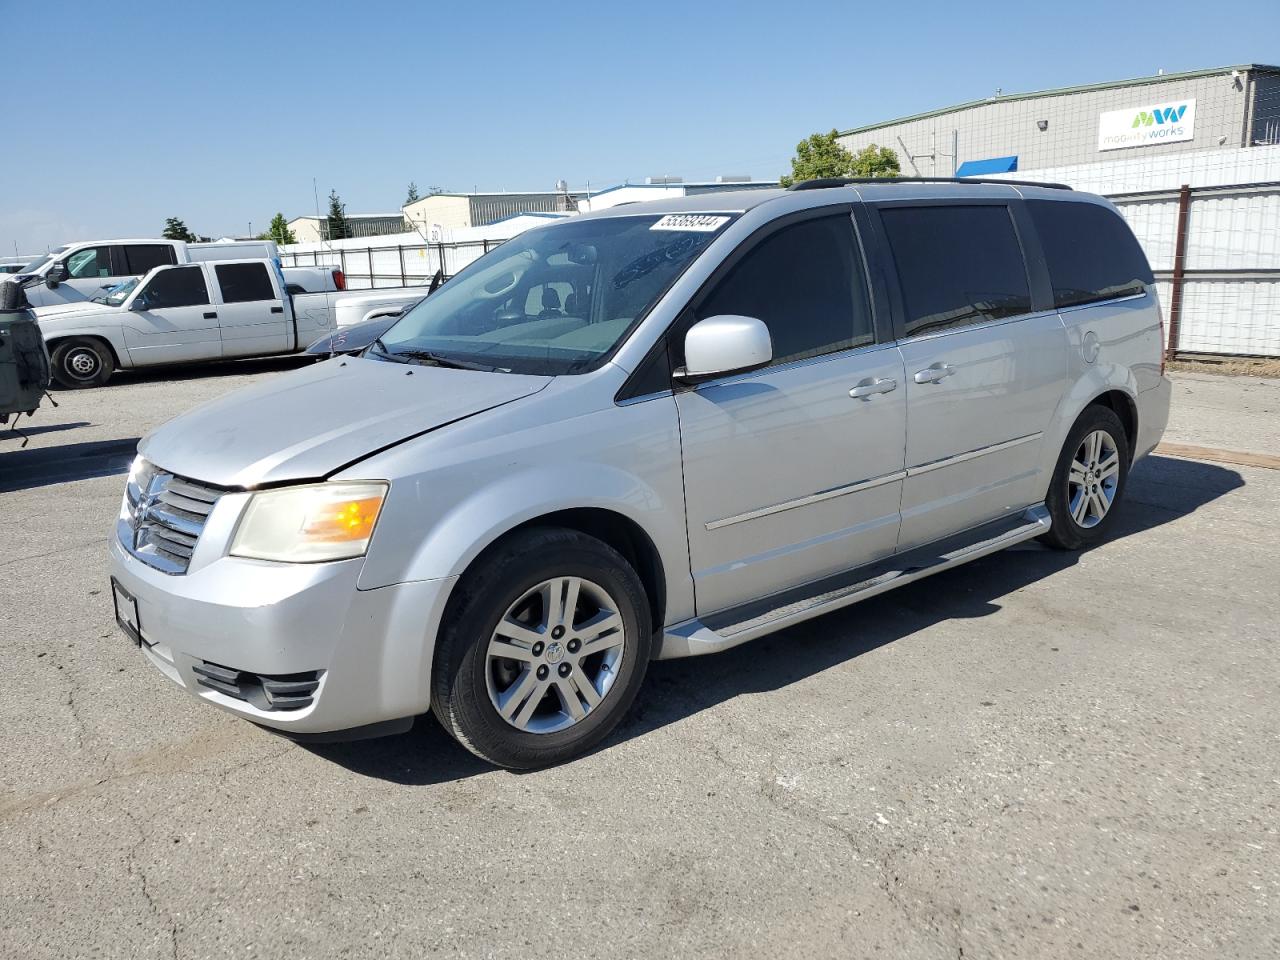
(825, 182)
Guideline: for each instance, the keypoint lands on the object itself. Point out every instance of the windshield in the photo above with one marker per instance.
(553, 300)
(41, 260)
(114, 296)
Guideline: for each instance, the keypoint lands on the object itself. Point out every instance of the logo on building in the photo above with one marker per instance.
(1168, 115)
(1147, 126)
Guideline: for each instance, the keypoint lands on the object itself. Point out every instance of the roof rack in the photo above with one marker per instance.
(825, 182)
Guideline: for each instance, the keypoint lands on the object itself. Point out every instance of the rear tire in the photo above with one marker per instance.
(1088, 481)
(82, 362)
(543, 649)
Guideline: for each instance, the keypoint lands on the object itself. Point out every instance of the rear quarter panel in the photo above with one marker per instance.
(1124, 341)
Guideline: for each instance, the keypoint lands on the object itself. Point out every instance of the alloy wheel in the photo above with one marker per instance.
(554, 655)
(1093, 479)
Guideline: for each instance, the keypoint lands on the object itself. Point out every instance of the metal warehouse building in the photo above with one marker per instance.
(1192, 160)
(1225, 107)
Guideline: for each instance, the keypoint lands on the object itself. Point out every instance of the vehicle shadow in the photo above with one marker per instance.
(16, 431)
(1161, 489)
(27, 469)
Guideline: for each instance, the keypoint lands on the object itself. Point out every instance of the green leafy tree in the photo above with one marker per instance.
(875, 161)
(175, 229)
(279, 231)
(338, 227)
(411, 195)
(822, 155)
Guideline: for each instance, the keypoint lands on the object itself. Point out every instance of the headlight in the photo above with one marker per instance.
(322, 521)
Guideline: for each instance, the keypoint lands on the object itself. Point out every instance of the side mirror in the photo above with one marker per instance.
(722, 345)
(139, 303)
(55, 275)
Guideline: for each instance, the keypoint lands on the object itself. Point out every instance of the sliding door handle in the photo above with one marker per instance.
(869, 388)
(211, 315)
(934, 373)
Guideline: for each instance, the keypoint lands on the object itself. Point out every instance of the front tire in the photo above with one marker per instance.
(82, 362)
(543, 649)
(1088, 481)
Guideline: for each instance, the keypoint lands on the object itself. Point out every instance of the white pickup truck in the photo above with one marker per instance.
(198, 311)
(75, 272)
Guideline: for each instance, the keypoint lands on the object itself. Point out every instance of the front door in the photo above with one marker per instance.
(789, 477)
(252, 315)
(171, 318)
(984, 370)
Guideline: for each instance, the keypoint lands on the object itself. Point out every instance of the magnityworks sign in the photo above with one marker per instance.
(1147, 126)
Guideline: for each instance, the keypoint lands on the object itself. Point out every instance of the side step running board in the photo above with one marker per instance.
(732, 627)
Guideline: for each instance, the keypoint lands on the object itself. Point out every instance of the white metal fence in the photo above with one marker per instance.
(395, 261)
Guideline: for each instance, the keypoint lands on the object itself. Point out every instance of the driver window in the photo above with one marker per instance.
(89, 262)
(177, 287)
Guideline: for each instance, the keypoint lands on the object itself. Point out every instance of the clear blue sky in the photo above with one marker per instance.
(221, 112)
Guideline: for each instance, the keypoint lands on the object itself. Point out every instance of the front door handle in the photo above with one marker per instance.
(934, 373)
(869, 388)
(211, 315)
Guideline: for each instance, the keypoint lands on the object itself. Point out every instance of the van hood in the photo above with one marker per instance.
(307, 424)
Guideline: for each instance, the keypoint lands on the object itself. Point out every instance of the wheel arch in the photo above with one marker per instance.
(617, 530)
(1123, 406)
(52, 343)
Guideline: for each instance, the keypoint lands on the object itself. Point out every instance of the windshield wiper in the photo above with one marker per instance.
(379, 349)
(426, 356)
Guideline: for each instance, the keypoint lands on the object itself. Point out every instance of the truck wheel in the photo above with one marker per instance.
(81, 362)
(543, 649)
(1089, 481)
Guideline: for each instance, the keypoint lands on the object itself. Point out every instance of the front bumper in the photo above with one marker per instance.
(371, 648)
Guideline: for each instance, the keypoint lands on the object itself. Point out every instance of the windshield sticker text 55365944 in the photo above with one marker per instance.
(696, 222)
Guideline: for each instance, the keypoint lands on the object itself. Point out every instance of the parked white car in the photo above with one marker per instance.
(76, 272)
(180, 313)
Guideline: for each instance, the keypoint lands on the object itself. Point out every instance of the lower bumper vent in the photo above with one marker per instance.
(286, 691)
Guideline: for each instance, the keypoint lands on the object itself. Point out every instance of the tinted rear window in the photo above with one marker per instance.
(244, 282)
(142, 257)
(1092, 253)
(958, 265)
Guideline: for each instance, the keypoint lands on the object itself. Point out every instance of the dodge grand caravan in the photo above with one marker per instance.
(658, 431)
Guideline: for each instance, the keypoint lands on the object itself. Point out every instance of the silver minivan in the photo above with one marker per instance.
(654, 432)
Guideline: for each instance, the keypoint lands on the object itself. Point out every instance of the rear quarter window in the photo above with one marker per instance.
(1091, 252)
(244, 282)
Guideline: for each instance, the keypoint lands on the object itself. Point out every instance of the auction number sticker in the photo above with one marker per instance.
(695, 222)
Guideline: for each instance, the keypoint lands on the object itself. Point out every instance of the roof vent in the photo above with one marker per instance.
(656, 181)
(733, 178)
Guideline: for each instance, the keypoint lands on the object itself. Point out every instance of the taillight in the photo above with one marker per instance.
(340, 280)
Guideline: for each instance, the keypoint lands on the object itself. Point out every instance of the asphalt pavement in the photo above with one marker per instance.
(1037, 755)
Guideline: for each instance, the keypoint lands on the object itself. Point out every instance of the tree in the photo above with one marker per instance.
(337, 222)
(875, 161)
(411, 195)
(279, 231)
(822, 155)
(175, 229)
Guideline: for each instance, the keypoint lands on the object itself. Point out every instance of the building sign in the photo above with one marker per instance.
(1147, 126)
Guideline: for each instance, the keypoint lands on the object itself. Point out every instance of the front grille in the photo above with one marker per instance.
(166, 517)
(287, 691)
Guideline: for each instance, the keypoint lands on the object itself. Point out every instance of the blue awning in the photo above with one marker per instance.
(976, 168)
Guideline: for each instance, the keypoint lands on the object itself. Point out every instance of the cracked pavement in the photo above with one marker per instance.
(1037, 755)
